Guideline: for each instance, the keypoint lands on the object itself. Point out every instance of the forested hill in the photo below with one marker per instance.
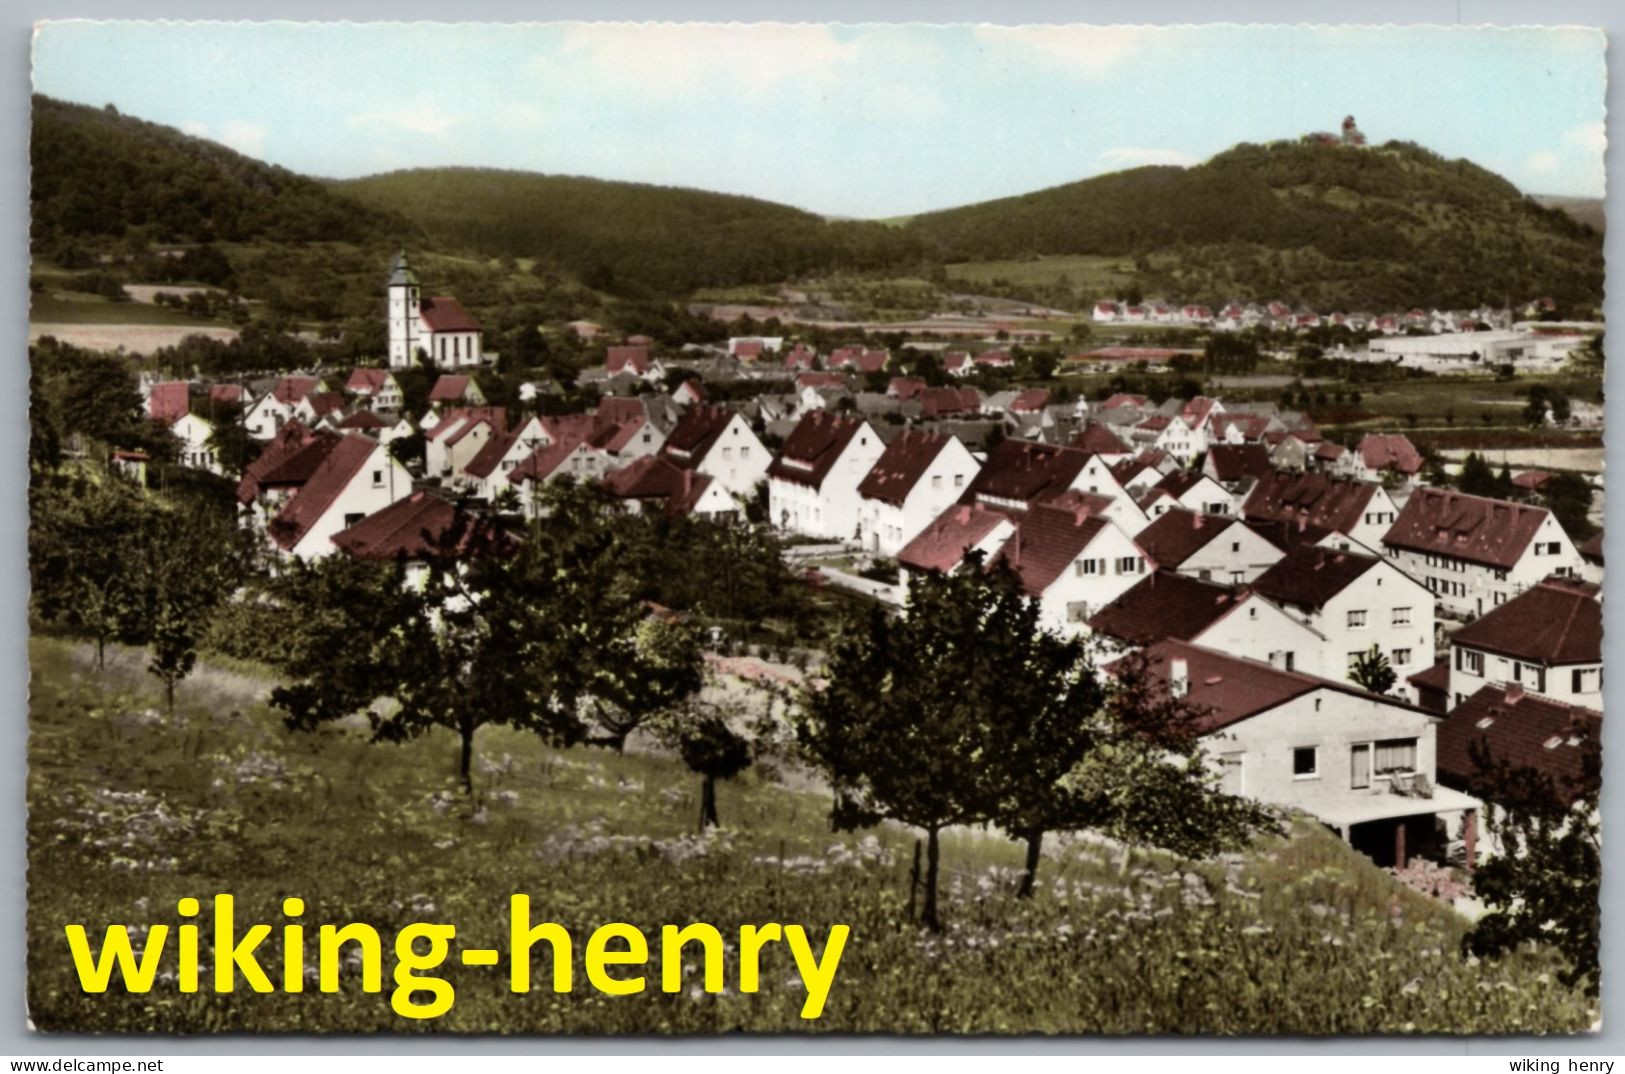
(99, 175)
(1382, 227)
(629, 237)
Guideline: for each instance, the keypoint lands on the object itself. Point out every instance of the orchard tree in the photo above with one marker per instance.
(655, 669)
(702, 733)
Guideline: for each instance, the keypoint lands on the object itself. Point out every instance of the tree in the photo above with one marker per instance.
(1534, 412)
(1371, 671)
(1544, 886)
(84, 552)
(1476, 477)
(1567, 496)
(659, 667)
(701, 732)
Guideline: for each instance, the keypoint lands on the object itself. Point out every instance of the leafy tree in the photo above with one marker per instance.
(701, 732)
(1371, 671)
(1544, 887)
(1534, 412)
(1476, 477)
(84, 553)
(1568, 497)
(657, 669)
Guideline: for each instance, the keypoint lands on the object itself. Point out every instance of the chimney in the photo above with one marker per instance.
(1197, 521)
(1303, 522)
(1514, 693)
(1179, 678)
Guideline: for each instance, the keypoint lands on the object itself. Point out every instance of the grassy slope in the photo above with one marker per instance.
(129, 812)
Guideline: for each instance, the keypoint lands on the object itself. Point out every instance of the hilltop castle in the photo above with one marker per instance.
(437, 327)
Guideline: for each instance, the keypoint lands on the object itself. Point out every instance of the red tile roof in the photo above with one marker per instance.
(343, 462)
(367, 380)
(449, 388)
(444, 314)
(627, 359)
(820, 380)
(1097, 439)
(905, 388)
(289, 442)
(1308, 577)
(169, 401)
(1195, 411)
(1238, 462)
(541, 463)
(901, 466)
(942, 402)
(942, 545)
(1526, 731)
(1178, 534)
(1123, 399)
(616, 409)
(410, 527)
(1494, 533)
(1316, 499)
(229, 394)
(654, 478)
(1165, 605)
(1390, 451)
(485, 460)
(694, 434)
(1030, 401)
(363, 419)
(1047, 539)
(1025, 471)
(813, 446)
(1554, 622)
(494, 416)
(323, 403)
(290, 390)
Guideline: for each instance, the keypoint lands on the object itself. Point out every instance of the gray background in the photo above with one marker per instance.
(15, 1038)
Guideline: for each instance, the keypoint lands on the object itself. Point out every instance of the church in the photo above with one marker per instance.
(438, 327)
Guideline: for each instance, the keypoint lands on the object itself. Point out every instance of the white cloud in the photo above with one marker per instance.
(1089, 50)
(1541, 163)
(1591, 137)
(423, 117)
(1135, 157)
(667, 58)
(243, 136)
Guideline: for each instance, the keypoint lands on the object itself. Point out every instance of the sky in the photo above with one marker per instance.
(850, 120)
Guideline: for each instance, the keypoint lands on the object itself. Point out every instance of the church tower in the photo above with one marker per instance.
(403, 314)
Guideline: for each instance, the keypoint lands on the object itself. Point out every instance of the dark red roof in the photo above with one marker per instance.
(1030, 401)
(444, 314)
(901, 465)
(1097, 439)
(941, 402)
(322, 403)
(1238, 462)
(1285, 535)
(1524, 730)
(1316, 499)
(408, 527)
(694, 434)
(1551, 623)
(313, 499)
(367, 380)
(905, 388)
(619, 408)
(1123, 399)
(449, 388)
(1480, 530)
(290, 390)
(654, 478)
(813, 446)
(820, 380)
(494, 416)
(943, 544)
(1025, 471)
(1178, 482)
(1308, 577)
(1178, 534)
(226, 393)
(363, 419)
(1165, 605)
(628, 359)
(1390, 451)
(1047, 539)
(169, 401)
(485, 460)
(1592, 548)
(294, 467)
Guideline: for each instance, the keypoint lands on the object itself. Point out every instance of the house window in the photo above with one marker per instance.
(377, 479)
(1357, 620)
(1128, 565)
(1083, 567)
(1306, 762)
(744, 453)
(959, 481)
(352, 518)
(1401, 658)
(1469, 661)
(1402, 617)
(1586, 680)
(1395, 756)
(936, 481)
(727, 453)
(1077, 611)
(1531, 675)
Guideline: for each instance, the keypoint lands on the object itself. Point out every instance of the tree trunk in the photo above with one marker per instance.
(932, 854)
(1035, 847)
(169, 696)
(101, 652)
(466, 764)
(708, 803)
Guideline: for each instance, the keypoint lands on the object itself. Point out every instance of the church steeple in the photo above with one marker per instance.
(403, 305)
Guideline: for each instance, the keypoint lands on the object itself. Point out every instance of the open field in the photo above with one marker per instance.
(131, 810)
(1098, 276)
(132, 338)
(67, 307)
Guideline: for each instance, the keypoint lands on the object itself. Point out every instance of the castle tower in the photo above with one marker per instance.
(403, 313)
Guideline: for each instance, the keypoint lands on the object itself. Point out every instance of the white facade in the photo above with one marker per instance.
(266, 416)
(885, 527)
(1467, 589)
(738, 460)
(196, 452)
(1381, 607)
(1109, 566)
(1472, 668)
(379, 482)
(1235, 557)
(830, 509)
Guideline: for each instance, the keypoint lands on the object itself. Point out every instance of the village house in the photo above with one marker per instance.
(1192, 490)
(653, 483)
(569, 454)
(1217, 548)
(1020, 473)
(1547, 640)
(1072, 559)
(1241, 622)
(960, 532)
(354, 479)
(812, 486)
(1354, 601)
(1360, 510)
(1381, 457)
(633, 361)
(688, 393)
(460, 435)
(914, 480)
(437, 327)
(720, 444)
(271, 411)
(319, 407)
(414, 528)
(378, 387)
(1363, 764)
(455, 389)
(196, 436)
(1475, 553)
(1238, 467)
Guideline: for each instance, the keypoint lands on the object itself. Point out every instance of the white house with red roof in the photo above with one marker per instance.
(356, 478)
(1361, 763)
(1476, 553)
(271, 411)
(1379, 456)
(378, 387)
(1072, 559)
(720, 444)
(812, 485)
(688, 393)
(953, 536)
(915, 479)
(458, 437)
(1218, 548)
(1105, 312)
(1547, 640)
(437, 327)
(1169, 605)
(455, 389)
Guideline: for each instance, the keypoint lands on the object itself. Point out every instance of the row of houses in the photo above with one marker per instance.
(1280, 315)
